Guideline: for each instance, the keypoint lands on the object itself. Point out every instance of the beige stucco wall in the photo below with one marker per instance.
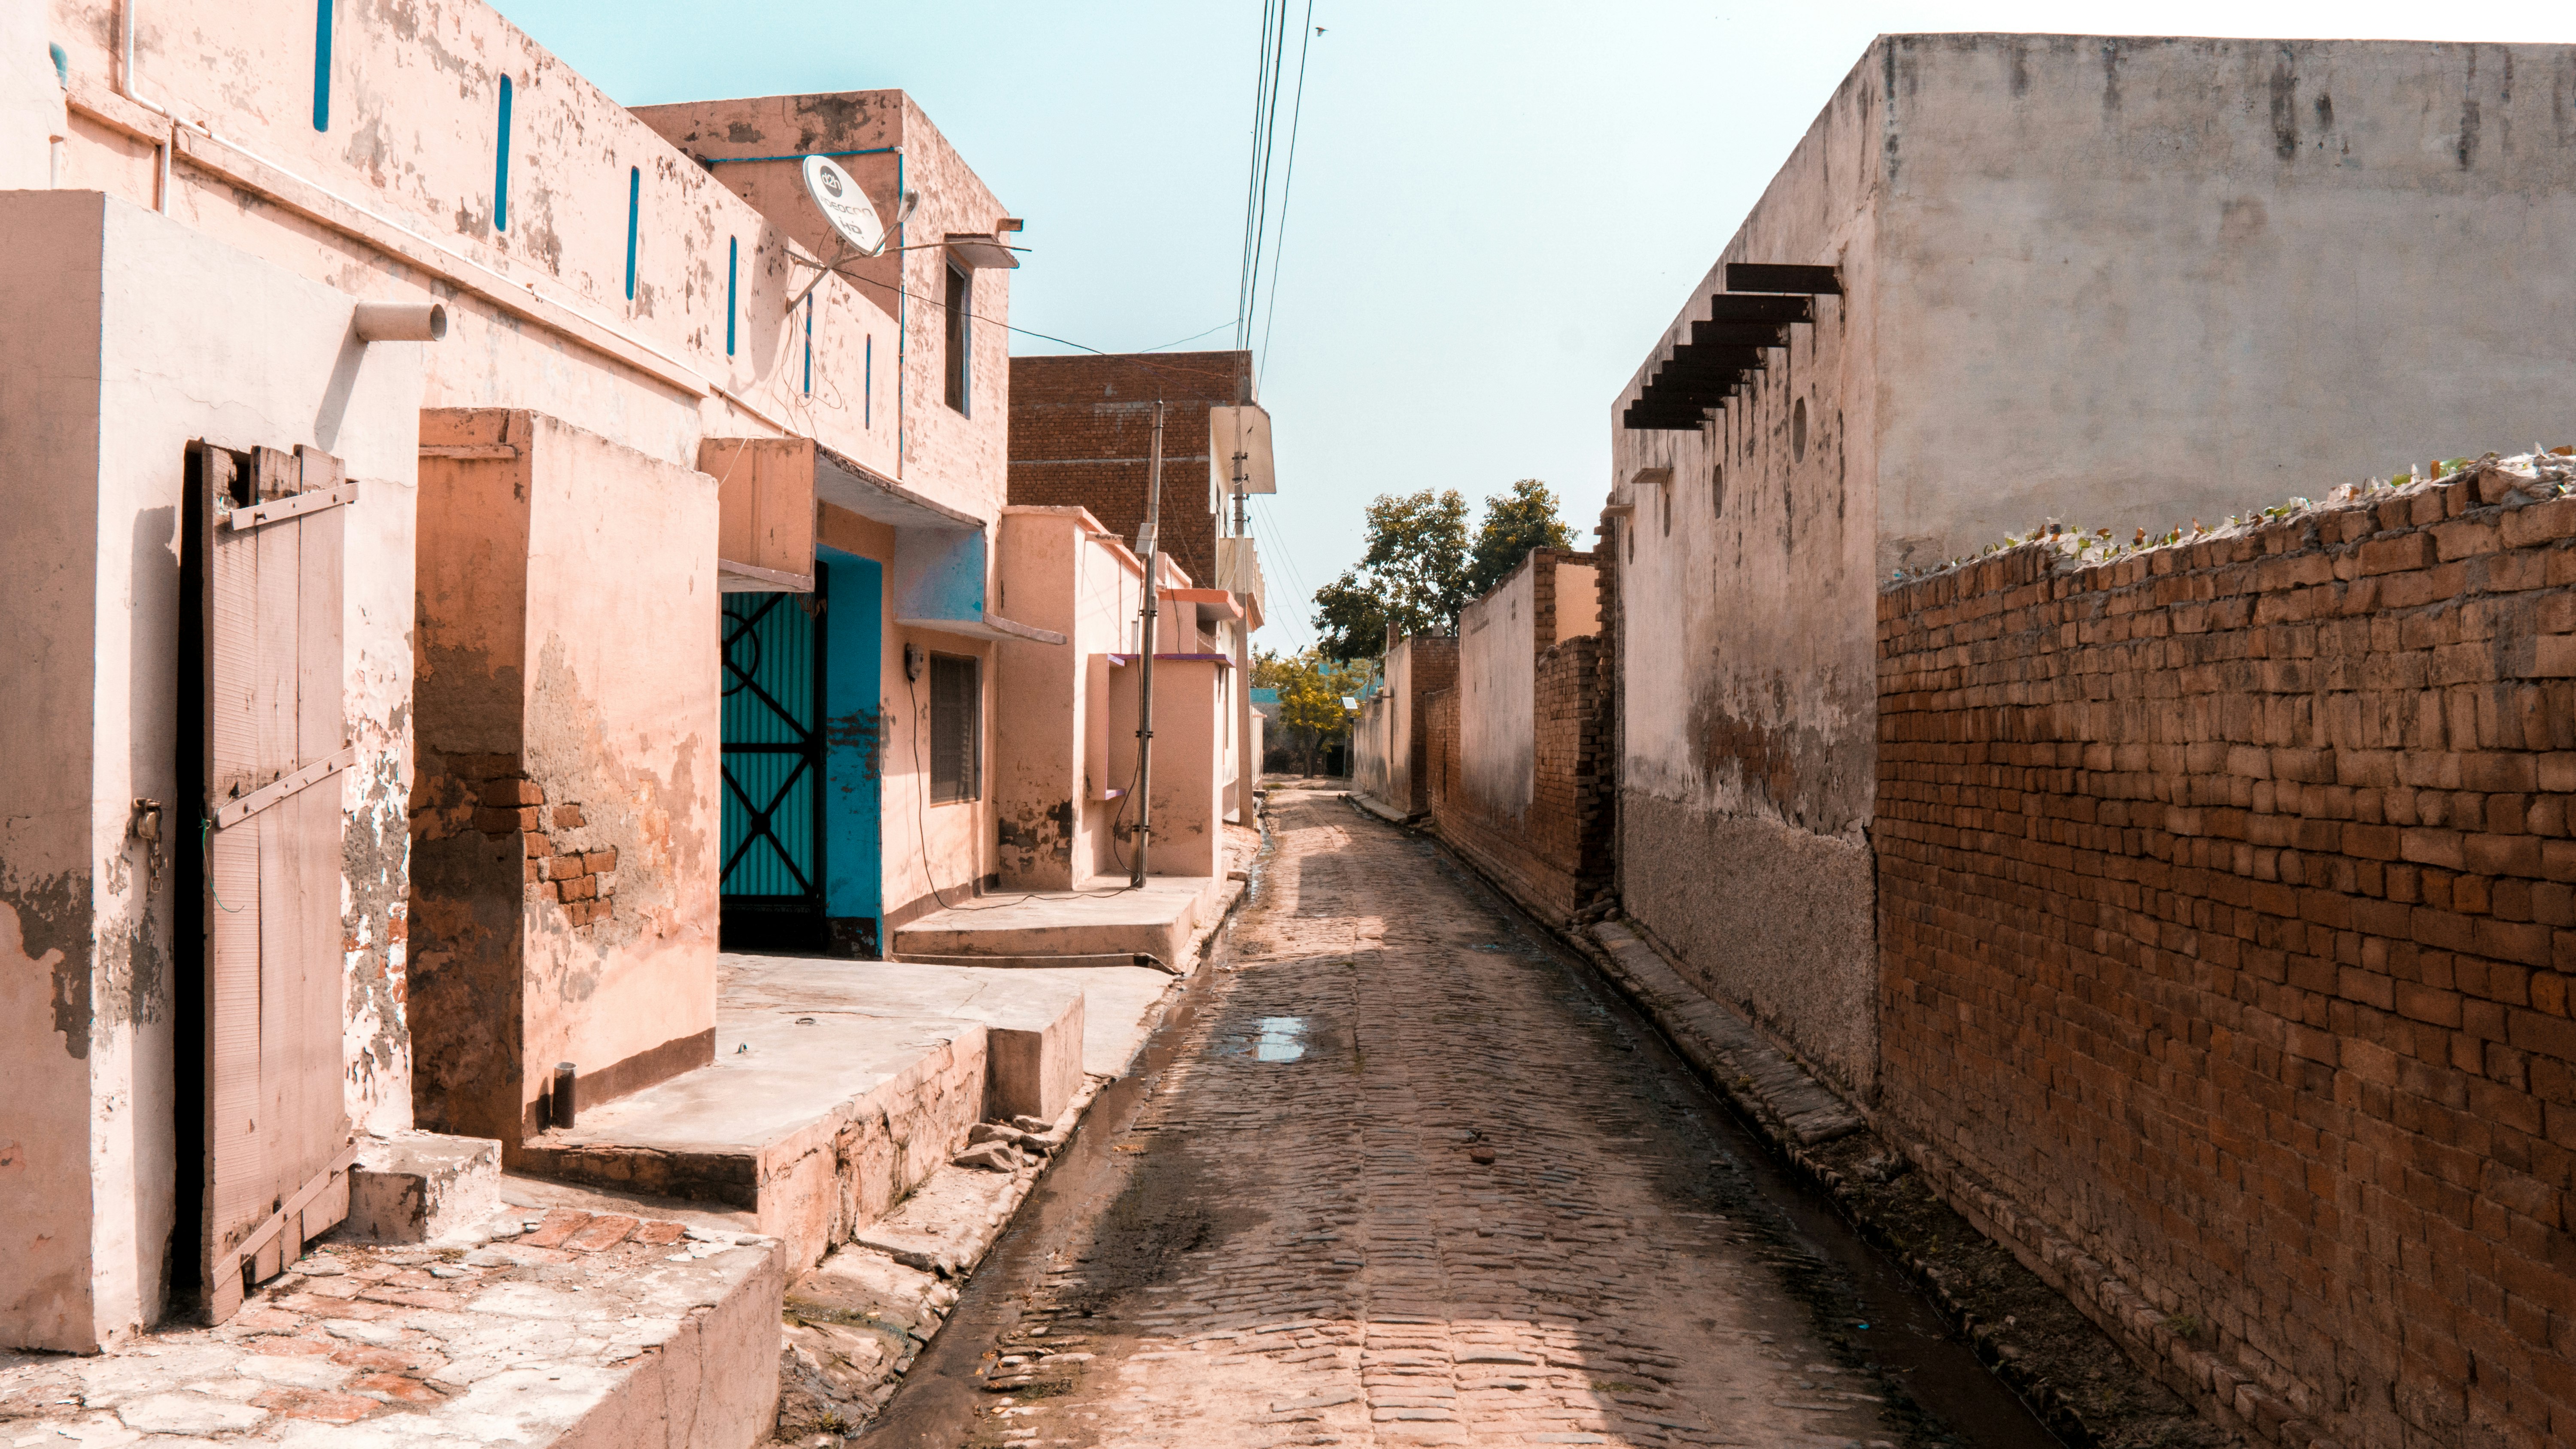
(2137, 281)
(129, 337)
(1748, 664)
(1497, 691)
(2116, 282)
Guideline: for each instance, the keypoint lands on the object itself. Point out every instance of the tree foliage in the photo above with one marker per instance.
(1311, 688)
(1514, 523)
(1419, 570)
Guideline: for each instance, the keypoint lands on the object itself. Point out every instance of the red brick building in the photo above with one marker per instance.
(1081, 428)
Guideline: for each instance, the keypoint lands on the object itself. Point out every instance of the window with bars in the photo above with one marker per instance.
(961, 342)
(956, 704)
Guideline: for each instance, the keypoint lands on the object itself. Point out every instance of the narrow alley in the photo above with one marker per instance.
(1407, 1177)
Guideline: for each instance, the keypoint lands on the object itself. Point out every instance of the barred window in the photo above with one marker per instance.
(956, 704)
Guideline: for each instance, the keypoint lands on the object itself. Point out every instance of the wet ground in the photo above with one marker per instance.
(1398, 1171)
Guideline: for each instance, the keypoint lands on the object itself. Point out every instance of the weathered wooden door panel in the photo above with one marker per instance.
(277, 1132)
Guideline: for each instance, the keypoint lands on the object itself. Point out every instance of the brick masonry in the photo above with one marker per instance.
(1555, 856)
(504, 803)
(1082, 430)
(2227, 907)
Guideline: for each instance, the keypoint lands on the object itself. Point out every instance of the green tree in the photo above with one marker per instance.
(1311, 689)
(1419, 571)
(1411, 577)
(1514, 523)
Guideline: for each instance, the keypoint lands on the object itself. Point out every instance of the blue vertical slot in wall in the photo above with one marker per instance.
(733, 266)
(501, 165)
(322, 65)
(634, 205)
(809, 343)
(853, 738)
(868, 386)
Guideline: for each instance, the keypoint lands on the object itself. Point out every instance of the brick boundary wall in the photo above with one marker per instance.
(1434, 669)
(2225, 901)
(1553, 857)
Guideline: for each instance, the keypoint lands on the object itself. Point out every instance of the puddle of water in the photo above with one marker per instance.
(1273, 1039)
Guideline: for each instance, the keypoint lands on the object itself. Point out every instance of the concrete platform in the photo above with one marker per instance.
(839, 1086)
(585, 1332)
(1163, 920)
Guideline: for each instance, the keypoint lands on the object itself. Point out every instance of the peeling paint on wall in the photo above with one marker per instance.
(50, 918)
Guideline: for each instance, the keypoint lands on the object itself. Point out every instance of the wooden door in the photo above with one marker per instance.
(278, 1145)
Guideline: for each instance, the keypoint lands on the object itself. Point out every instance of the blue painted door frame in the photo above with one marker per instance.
(853, 740)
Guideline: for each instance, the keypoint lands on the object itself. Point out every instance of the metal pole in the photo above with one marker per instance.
(1240, 527)
(1153, 552)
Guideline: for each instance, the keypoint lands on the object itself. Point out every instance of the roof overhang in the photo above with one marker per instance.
(980, 250)
(844, 483)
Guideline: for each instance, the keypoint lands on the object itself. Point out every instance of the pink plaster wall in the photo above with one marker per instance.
(958, 459)
(414, 125)
(130, 337)
(569, 668)
(1058, 570)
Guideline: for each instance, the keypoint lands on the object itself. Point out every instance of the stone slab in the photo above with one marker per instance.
(413, 1187)
(649, 1339)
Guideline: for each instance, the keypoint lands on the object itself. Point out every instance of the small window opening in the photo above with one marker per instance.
(634, 212)
(1630, 529)
(1798, 432)
(809, 344)
(1667, 493)
(961, 296)
(956, 700)
(733, 274)
(322, 65)
(1717, 489)
(501, 165)
(868, 384)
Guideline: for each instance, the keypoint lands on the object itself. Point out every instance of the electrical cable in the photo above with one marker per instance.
(1261, 81)
(1269, 148)
(1288, 182)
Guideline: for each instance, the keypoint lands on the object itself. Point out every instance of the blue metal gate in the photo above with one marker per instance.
(772, 884)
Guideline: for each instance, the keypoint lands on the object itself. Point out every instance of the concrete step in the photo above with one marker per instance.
(587, 1331)
(838, 1087)
(1163, 919)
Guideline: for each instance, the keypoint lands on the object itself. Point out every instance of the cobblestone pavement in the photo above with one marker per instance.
(1403, 1184)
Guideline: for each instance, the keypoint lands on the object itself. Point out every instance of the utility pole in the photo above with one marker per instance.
(1151, 547)
(1240, 527)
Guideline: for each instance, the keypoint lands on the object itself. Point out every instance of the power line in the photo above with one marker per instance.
(1288, 183)
(1269, 150)
(1261, 83)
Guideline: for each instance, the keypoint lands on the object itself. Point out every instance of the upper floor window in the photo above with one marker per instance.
(322, 65)
(501, 165)
(961, 302)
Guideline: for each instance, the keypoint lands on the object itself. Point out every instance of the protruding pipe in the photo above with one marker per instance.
(401, 321)
(563, 1095)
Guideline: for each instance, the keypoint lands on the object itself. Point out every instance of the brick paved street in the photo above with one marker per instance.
(1404, 1182)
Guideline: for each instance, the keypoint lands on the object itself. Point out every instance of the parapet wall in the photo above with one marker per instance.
(2224, 896)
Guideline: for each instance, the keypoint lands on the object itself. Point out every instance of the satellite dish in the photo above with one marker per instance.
(844, 205)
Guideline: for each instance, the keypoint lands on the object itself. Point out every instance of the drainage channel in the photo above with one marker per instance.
(1863, 1303)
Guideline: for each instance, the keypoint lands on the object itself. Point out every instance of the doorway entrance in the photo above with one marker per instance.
(771, 891)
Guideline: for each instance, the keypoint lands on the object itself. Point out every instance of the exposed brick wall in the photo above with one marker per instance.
(2225, 896)
(1434, 665)
(1082, 431)
(1553, 857)
(500, 801)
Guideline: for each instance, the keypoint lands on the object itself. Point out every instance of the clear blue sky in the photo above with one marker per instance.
(1497, 203)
